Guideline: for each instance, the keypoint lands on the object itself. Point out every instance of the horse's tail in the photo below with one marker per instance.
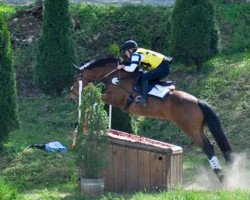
(214, 125)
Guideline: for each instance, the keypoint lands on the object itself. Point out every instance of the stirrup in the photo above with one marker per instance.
(138, 98)
(142, 102)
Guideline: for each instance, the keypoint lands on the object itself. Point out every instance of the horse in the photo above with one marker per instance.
(187, 112)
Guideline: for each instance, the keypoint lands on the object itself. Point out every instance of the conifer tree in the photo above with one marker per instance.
(55, 57)
(8, 94)
(92, 142)
(121, 121)
(194, 36)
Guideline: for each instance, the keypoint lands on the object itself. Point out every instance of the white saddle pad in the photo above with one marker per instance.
(161, 91)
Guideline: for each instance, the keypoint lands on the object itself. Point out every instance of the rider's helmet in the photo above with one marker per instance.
(130, 44)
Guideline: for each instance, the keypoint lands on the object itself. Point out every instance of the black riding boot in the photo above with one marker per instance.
(142, 99)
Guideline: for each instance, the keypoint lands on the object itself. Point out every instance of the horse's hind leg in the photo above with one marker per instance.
(208, 149)
(213, 160)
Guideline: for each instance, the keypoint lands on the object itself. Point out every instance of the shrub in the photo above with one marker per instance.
(233, 21)
(121, 121)
(8, 94)
(163, 131)
(55, 57)
(194, 37)
(92, 142)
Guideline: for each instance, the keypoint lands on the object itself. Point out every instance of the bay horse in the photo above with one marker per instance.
(184, 110)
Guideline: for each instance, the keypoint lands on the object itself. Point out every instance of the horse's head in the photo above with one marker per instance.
(94, 71)
(74, 91)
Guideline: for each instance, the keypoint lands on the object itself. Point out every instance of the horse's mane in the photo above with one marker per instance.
(100, 62)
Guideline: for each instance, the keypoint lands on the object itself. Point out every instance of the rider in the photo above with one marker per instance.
(154, 65)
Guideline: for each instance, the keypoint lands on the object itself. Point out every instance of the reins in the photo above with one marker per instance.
(105, 79)
(119, 78)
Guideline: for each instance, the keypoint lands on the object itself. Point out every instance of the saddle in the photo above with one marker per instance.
(157, 89)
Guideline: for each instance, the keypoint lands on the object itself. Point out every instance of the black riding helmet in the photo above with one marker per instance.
(130, 44)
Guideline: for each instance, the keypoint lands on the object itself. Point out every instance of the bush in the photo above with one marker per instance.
(8, 94)
(233, 22)
(121, 121)
(163, 131)
(194, 37)
(55, 57)
(92, 142)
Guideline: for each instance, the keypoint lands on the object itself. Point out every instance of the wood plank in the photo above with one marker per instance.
(173, 170)
(140, 146)
(179, 169)
(144, 170)
(108, 173)
(156, 171)
(119, 155)
(132, 178)
(166, 171)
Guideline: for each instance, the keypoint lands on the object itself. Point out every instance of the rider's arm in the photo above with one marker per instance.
(135, 61)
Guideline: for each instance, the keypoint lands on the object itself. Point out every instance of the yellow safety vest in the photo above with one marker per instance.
(151, 59)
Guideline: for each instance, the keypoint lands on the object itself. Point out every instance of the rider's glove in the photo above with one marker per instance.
(120, 66)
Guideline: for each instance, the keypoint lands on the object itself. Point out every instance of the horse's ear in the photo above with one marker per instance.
(78, 70)
(76, 66)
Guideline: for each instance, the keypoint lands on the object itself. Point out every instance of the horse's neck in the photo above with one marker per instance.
(129, 77)
(117, 95)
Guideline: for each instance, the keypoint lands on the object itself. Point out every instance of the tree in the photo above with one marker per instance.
(56, 55)
(194, 37)
(92, 141)
(121, 121)
(8, 95)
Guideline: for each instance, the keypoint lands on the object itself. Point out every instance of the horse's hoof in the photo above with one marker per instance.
(220, 175)
(221, 178)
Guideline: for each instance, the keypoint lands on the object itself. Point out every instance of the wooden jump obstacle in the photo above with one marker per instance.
(138, 163)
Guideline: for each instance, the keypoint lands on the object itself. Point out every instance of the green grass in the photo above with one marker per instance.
(6, 191)
(187, 195)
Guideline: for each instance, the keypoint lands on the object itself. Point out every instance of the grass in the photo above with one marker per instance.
(187, 195)
(6, 191)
